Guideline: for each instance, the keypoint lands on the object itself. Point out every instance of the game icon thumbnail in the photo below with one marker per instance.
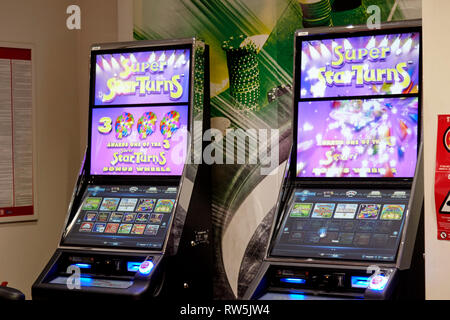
(138, 229)
(127, 204)
(156, 218)
(90, 216)
(125, 228)
(345, 210)
(128, 217)
(116, 217)
(91, 203)
(109, 204)
(368, 211)
(142, 217)
(151, 230)
(146, 205)
(112, 228)
(99, 227)
(323, 210)
(164, 205)
(102, 216)
(392, 212)
(86, 227)
(301, 210)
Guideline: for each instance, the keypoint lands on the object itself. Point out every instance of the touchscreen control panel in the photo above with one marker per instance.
(123, 216)
(343, 224)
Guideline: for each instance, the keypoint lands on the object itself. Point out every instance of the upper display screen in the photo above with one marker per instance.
(360, 66)
(142, 77)
(358, 138)
(149, 140)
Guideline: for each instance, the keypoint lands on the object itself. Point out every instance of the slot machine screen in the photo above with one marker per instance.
(141, 77)
(148, 140)
(343, 224)
(139, 120)
(135, 217)
(358, 106)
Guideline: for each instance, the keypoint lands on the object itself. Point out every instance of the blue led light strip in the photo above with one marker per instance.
(360, 282)
(133, 266)
(293, 280)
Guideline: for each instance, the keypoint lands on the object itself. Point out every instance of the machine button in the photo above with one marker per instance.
(378, 282)
(146, 267)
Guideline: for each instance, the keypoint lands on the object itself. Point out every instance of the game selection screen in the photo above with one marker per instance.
(343, 224)
(142, 77)
(123, 216)
(148, 140)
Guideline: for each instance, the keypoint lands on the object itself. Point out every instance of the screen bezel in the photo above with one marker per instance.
(144, 48)
(349, 32)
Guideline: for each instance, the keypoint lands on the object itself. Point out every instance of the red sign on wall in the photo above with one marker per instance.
(442, 178)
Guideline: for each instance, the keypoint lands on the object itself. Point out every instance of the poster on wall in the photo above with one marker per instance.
(442, 178)
(16, 136)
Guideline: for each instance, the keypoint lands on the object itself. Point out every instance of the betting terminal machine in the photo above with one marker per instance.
(138, 224)
(351, 201)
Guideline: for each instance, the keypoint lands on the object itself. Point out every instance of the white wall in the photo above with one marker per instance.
(436, 68)
(61, 65)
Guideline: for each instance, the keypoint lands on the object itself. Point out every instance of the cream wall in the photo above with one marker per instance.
(61, 91)
(436, 68)
(125, 20)
(98, 24)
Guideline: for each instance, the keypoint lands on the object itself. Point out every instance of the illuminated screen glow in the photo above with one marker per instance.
(357, 138)
(343, 224)
(360, 66)
(124, 216)
(142, 77)
(150, 140)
